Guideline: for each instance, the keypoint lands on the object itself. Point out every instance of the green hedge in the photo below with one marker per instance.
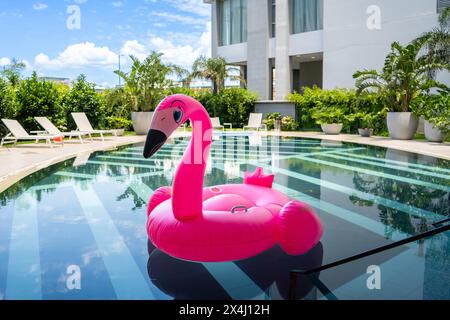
(316, 106)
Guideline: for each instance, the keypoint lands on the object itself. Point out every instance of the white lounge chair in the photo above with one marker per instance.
(51, 129)
(85, 127)
(216, 124)
(256, 122)
(17, 132)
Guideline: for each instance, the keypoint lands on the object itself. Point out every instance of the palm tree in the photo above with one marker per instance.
(404, 78)
(437, 41)
(146, 81)
(216, 70)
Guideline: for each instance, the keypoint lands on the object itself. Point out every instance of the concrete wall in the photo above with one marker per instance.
(285, 108)
(257, 51)
(349, 45)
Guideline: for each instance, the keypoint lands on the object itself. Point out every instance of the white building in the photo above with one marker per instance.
(284, 45)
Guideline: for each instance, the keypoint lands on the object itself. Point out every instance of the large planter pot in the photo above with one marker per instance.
(334, 128)
(402, 125)
(141, 122)
(432, 134)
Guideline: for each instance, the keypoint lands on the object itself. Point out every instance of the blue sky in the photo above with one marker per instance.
(46, 36)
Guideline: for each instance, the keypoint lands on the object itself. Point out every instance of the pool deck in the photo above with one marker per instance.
(21, 161)
(438, 150)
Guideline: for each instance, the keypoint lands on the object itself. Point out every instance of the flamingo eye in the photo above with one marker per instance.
(177, 115)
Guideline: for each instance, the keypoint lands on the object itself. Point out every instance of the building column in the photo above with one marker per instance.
(258, 48)
(282, 59)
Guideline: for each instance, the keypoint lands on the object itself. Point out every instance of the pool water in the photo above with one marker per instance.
(76, 230)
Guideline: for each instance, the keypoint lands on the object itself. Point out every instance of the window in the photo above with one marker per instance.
(272, 17)
(233, 21)
(442, 4)
(307, 15)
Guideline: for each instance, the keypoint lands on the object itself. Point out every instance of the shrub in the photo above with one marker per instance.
(119, 123)
(287, 123)
(37, 98)
(436, 110)
(8, 107)
(83, 98)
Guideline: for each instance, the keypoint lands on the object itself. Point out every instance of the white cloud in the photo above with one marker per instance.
(4, 62)
(79, 55)
(135, 48)
(186, 54)
(40, 6)
(197, 7)
(171, 17)
(117, 4)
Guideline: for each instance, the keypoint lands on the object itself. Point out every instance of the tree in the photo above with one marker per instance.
(146, 81)
(404, 78)
(8, 106)
(216, 70)
(12, 72)
(437, 41)
(37, 98)
(83, 98)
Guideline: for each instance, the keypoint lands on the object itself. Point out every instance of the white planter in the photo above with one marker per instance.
(141, 122)
(432, 134)
(365, 132)
(334, 128)
(402, 125)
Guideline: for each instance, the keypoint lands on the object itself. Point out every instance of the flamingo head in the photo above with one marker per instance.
(170, 114)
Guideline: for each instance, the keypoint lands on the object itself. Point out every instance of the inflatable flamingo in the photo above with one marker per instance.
(220, 223)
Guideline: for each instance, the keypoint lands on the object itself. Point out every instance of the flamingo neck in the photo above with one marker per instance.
(187, 192)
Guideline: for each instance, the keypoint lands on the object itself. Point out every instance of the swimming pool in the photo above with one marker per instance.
(76, 230)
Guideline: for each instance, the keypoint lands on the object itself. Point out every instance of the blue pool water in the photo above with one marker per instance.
(83, 222)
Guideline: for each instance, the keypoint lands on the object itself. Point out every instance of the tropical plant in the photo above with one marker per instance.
(437, 41)
(436, 110)
(328, 115)
(364, 120)
(83, 98)
(115, 122)
(146, 81)
(404, 78)
(37, 98)
(12, 72)
(287, 123)
(217, 70)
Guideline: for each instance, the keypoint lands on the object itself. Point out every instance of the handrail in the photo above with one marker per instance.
(294, 273)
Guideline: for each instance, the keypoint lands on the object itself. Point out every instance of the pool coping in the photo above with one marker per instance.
(436, 150)
(441, 150)
(31, 166)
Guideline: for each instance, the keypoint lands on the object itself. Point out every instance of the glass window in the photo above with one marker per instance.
(272, 15)
(233, 21)
(442, 4)
(307, 15)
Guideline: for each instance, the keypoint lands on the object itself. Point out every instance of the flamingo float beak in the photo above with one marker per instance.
(155, 140)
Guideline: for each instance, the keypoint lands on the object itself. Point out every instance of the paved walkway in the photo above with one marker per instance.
(16, 163)
(438, 150)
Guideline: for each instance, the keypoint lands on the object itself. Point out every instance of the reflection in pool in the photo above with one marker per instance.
(91, 212)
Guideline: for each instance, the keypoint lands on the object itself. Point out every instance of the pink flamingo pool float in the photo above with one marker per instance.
(221, 223)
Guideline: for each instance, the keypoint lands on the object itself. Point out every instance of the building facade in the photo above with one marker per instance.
(285, 45)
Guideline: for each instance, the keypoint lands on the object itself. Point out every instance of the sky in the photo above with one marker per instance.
(65, 38)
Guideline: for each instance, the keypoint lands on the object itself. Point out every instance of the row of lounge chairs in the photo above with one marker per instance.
(51, 134)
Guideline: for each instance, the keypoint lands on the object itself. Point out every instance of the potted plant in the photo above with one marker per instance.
(145, 84)
(330, 119)
(365, 121)
(404, 78)
(435, 110)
